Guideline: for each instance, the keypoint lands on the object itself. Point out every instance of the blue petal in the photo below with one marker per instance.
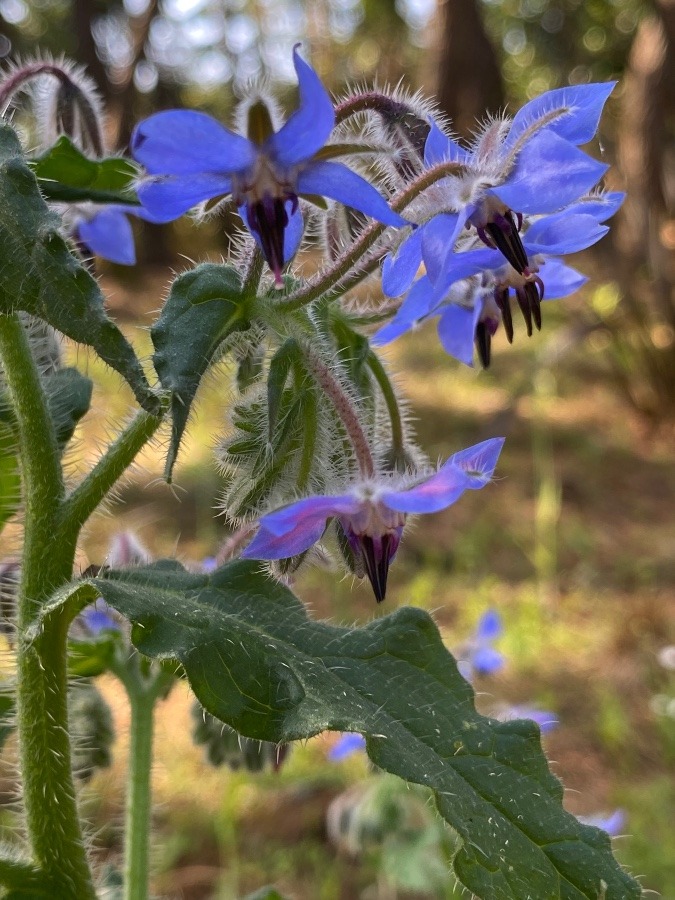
(560, 280)
(439, 238)
(478, 461)
(170, 197)
(185, 142)
(346, 746)
(416, 305)
(308, 129)
(331, 179)
(457, 330)
(549, 174)
(613, 824)
(487, 661)
(458, 266)
(109, 234)
(489, 626)
(600, 206)
(308, 511)
(100, 617)
(440, 148)
(579, 108)
(266, 545)
(398, 271)
(562, 233)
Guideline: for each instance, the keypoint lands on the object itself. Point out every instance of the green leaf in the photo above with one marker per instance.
(204, 307)
(65, 174)
(89, 658)
(69, 397)
(39, 275)
(257, 662)
(23, 880)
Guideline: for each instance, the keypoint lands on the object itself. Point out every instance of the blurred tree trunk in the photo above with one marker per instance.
(469, 81)
(645, 235)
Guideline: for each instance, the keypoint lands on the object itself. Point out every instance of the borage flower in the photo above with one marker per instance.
(373, 512)
(528, 165)
(106, 230)
(471, 308)
(477, 656)
(194, 158)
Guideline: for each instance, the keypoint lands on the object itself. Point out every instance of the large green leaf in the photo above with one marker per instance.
(256, 661)
(39, 275)
(66, 174)
(204, 307)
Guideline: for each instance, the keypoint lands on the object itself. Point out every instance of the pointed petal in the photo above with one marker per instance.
(458, 266)
(600, 206)
(185, 142)
(549, 174)
(334, 180)
(266, 545)
(478, 462)
(457, 330)
(489, 626)
(171, 197)
(416, 306)
(562, 233)
(560, 280)
(109, 234)
(309, 127)
(309, 510)
(439, 238)
(399, 270)
(571, 112)
(440, 148)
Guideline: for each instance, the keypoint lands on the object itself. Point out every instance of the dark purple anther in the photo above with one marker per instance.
(529, 298)
(502, 300)
(268, 219)
(503, 233)
(485, 329)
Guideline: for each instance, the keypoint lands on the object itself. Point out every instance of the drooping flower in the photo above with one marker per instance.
(471, 308)
(106, 231)
(372, 513)
(528, 165)
(477, 656)
(193, 158)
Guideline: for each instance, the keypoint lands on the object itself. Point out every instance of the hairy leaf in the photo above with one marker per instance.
(257, 662)
(69, 396)
(67, 175)
(204, 307)
(39, 275)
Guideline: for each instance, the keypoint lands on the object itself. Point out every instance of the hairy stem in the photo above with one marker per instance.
(386, 387)
(51, 814)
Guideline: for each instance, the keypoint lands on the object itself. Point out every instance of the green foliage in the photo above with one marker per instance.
(22, 879)
(40, 276)
(65, 174)
(205, 307)
(10, 483)
(69, 397)
(91, 725)
(7, 710)
(257, 662)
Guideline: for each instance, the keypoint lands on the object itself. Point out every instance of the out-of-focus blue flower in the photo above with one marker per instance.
(106, 230)
(471, 307)
(194, 158)
(545, 719)
(347, 745)
(373, 512)
(477, 656)
(612, 824)
(100, 617)
(209, 564)
(528, 165)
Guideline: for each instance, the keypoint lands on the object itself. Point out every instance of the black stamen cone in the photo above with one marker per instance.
(524, 304)
(504, 233)
(376, 561)
(502, 301)
(483, 344)
(268, 218)
(529, 300)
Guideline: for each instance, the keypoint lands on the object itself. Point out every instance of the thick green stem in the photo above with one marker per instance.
(143, 691)
(42, 716)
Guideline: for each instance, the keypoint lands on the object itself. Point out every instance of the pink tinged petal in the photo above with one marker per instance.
(109, 234)
(399, 270)
(563, 233)
(440, 148)
(266, 545)
(309, 127)
(560, 280)
(580, 108)
(478, 462)
(334, 180)
(549, 174)
(185, 142)
(170, 197)
(457, 331)
(433, 494)
(309, 511)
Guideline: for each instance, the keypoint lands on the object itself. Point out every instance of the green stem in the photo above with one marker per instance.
(42, 680)
(143, 691)
(385, 385)
(254, 272)
(87, 496)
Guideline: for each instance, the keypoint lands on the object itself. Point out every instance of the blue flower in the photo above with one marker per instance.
(528, 165)
(100, 617)
(477, 656)
(373, 512)
(348, 744)
(545, 719)
(471, 309)
(106, 231)
(612, 824)
(194, 158)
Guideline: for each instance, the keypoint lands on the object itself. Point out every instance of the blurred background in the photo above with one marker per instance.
(574, 543)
